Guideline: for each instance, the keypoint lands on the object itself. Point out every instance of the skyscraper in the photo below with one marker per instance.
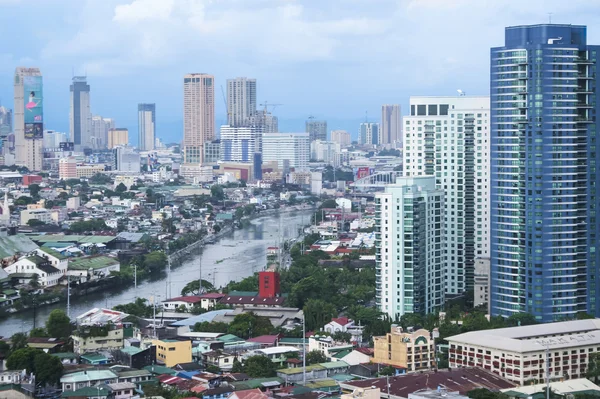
(544, 185)
(198, 115)
(369, 133)
(241, 101)
(288, 149)
(341, 137)
(238, 144)
(391, 124)
(146, 126)
(448, 137)
(100, 128)
(409, 242)
(118, 137)
(5, 121)
(80, 117)
(29, 122)
(317, 130)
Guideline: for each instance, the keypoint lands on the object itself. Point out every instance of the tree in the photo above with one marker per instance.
(35, 222)
(237, 366)
(521, 319)
(140, 308)
(315, 356)
(342, 336)
(121, 188)
(34, 190)
(593, 370)
(48, 368)
(247, 325)
(63, 195)
(214, 327)
(248, 284)
(58, 324)
(193, 287)
(259, 367)
(387, 370)
(483, 393)
(22, 359)
(155, 261)
(216, 191)
(38, 332)
(318, 313)
(18, 341)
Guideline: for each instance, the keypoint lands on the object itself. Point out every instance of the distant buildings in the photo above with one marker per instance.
(241, 101)
(53, 139)
(117, 137)
(448, 137)
(146, 126)
(325, 151)
(341, 137)
(391, 124)
(5, 121)
(409, 245)
(198, 115)
(28, 118)
(316, 129)
(544, 183)
(80, 116)
(238, 144)
(411, 350)
(100, 128)
(68, 168)
(369, 133)
(290, 150)
(126, 159)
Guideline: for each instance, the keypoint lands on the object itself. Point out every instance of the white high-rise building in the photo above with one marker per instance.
(241, 101)
(325, 151)
(238, 144)
(448, 137)
(146, 126)
(391, 125)
(53, 139)
(342, 137)
(28, 118)
(369, 133)
(126, 159)
(80, 116)
(409, 246)
(100, 128)
(198, 115)
(288, 149)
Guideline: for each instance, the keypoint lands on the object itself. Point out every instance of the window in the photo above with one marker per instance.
(421, 110)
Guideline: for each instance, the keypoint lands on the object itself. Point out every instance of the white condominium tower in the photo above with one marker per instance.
(391, 124)
(448, 137)
(409, 244)
(198, 115)
(146, 126)
(241, 101)
(290, 150)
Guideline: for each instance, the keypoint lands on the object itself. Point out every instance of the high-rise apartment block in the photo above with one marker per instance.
(317, 130)
(545, 257)
(391, 125)
(265, 121)
(325, 151)
(341, 137)
(241, 101)
(100, 129)
(126, 159)
(117, 137)
(198, 115)
(409, 242)
(288, 149)
(238, 144)
(369, 133)
(29, 122)
(53, 139)
(448, 137)
(80, 116)
(6, 126)
(146, 126)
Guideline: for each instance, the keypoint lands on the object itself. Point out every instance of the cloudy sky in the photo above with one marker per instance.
(334, 59)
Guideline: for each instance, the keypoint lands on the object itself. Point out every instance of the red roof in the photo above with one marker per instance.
(265, 339)
(251, 300)
(342, 321)
(212, 295)
(366, 351)
(250, 394)
(294, 361)
(188, 299)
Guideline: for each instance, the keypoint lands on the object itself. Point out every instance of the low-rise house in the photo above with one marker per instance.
(11, 377)
(248, 394)
(414, 350)
(48, 275)
(295, 375)
(97, 392)
(134, 376)
(122, 390)
(48, 345)
(220, 359)
(277, 354)
(100, 330)
(93, 267)
(265, 341)
(170, 352)
(344, 325)
(188, 302)
(87, 378)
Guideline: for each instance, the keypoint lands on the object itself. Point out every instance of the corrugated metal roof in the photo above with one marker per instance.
(72, 238)
(10, 245)
(92, 262)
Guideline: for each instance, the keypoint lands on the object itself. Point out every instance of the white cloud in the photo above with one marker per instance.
(144, 10)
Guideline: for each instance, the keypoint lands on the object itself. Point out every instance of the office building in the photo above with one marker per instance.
(448, 137)
(6, 126)
(126, 160)
(53, 139)
(265, 121)
(410, 350)
(28, 118)
(325, 151)
(544, 184)
(257, 166)
(80, 116)
(238, 144)
(409, 244)
(519, 353)
(290, 150)
(100, 128)
(341, 137)
(241, 101)
(117, 137)
(391, 125)
(146, 126)
(317, 130)
(369, 133)
(198, 115)
(212, 152)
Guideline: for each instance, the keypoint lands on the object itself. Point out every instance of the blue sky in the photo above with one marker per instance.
(334, 59)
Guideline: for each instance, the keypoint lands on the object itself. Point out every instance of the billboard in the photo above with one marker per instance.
(361, 172)
(34, 131)
(32, 86)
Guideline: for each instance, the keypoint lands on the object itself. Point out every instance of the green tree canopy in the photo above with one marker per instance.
(89, 225)
(248, 325)
(35, 222)
(155, 261)
(318, 313)
(259, 367)
(214, 327)
(58, 324)
(216, 191)
(121, 188)
(193, 287)
(18, 341)
(140, 308)
(315, 356)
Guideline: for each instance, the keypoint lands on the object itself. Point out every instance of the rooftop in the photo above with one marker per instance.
(92, 262)
(53, 253)
(187, 299)
(88, 375)
(72, 238)
(559, 387)
(100, 316)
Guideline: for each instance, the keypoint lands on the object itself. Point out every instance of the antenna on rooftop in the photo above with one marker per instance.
(550, 17)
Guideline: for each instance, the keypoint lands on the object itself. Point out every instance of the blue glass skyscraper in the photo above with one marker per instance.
(544, 184)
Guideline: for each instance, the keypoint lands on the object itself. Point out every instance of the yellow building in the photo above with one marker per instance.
(89, 170)
(410, 350)
(171, 352)
(116, 137)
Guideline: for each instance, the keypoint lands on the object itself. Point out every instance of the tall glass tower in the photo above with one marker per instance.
(545, 252)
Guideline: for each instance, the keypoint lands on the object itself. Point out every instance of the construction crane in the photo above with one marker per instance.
(267, 105)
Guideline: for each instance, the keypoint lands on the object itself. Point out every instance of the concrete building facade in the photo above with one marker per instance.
(198, 115)
(290, 150)
(28, 118)
(391, 124)
(241, 101)
(146, 126)
(80, 115)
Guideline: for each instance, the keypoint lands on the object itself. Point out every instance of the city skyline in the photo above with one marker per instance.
(138, 76)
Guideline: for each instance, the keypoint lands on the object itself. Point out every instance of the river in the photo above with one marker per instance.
(235, 256)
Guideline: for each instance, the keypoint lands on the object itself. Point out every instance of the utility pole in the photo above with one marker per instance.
(547, 371)
(68, 297)
(135, 279)
(304, 349)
